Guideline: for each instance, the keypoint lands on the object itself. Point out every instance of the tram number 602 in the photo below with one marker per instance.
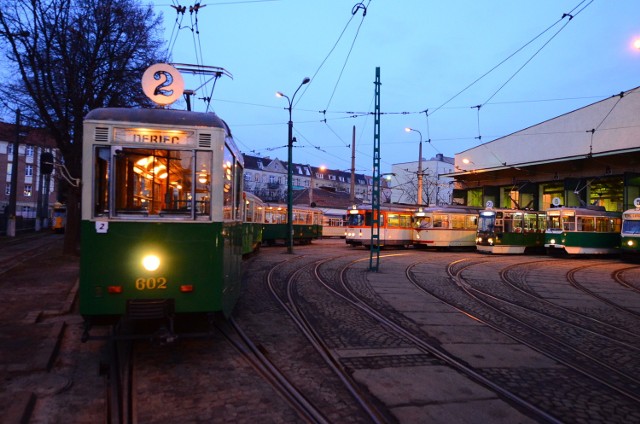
(151, 283)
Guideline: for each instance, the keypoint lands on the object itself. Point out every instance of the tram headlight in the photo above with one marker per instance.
(490, 241)
(552, 241)
(151, 262)
(631, 243)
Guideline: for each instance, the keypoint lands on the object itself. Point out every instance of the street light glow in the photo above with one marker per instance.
(636, 43)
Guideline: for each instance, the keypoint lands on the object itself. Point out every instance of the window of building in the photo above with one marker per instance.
(7, 189)
(28, 170)
(29, 151)
(10, 149)
(27, 190)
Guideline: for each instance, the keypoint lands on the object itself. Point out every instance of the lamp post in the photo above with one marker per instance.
(290, 166)
(420, 182)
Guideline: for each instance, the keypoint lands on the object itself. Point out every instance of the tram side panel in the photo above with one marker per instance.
(582, 231)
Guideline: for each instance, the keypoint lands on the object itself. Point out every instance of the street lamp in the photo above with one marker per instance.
(290, 166)
(419, 200)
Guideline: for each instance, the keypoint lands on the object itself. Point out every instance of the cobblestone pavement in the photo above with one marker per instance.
(49, 376)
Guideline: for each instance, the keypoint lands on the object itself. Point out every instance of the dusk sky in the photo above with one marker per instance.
(480, 69)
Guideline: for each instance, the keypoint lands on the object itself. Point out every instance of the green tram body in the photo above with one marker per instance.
(582, 231)
(630, 234)
(162, 182)
(307, 224)
(510, 231)
(252, 227)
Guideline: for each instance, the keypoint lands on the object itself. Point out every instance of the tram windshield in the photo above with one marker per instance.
(154, 182)
(486, 222)
(355, 220)
(631, 226)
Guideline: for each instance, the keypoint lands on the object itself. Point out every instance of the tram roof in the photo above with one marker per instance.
(173, 117)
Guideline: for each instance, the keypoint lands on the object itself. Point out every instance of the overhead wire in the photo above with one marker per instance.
(506, 59)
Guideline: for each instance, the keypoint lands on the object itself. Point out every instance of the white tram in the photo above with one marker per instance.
(395, 226)
(444, 227)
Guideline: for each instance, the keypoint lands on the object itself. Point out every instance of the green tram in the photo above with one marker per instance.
(582, 231)
(161, 226)
(253, 225)
(307, 224)
(630, 234)
(510, 231)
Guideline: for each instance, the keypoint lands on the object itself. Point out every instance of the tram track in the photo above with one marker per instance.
(290, 301)
(618, 277)
(339, 286)
(13, 253)
(572, 316)
(571, 278)
(509, 319)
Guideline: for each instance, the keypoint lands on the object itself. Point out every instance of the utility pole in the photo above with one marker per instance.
(352, 192)
(11, 210)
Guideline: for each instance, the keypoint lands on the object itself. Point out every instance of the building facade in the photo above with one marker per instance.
(267, 179)
(437, 189)
(590, 156)
(36, 190)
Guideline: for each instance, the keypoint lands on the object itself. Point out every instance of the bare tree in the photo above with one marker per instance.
(68, 57)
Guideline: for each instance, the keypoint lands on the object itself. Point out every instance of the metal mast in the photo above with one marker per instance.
(375, 192)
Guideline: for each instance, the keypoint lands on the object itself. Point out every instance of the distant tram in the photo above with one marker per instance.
(59, 219)
(396, 227)
(587, 231)
(253, 223)
(510, 231)
(630, 234)
(307, 224)
(444, 227)
(334, 223)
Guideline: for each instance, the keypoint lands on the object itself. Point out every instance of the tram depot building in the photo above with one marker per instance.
(590, 156)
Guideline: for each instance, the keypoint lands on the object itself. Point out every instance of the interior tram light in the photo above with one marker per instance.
(151, 262)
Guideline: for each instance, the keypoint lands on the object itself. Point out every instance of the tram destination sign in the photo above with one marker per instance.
(153, 136)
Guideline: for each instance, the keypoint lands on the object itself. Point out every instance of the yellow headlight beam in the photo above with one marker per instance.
(151, 262)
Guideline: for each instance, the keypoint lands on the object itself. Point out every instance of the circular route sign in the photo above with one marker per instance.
(162, 83)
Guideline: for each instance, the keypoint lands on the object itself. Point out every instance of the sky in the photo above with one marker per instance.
(461, 72)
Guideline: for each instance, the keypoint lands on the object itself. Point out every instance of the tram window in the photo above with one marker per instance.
(440, 221)
(458, 222)
(153, 182)
(228, 185)
(568, 224)
(607, 225)
(585, 223)
(101, 182)
(148, 181)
